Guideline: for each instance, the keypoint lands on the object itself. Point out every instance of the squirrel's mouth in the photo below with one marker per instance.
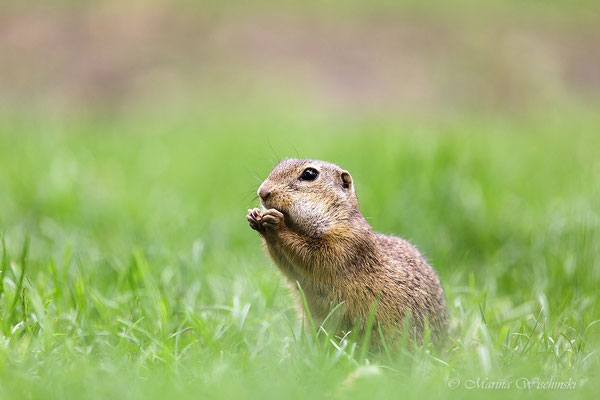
(277, 201)
(265, 204)
(270, 203)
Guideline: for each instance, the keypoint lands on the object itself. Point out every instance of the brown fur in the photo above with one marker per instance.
(317, 236)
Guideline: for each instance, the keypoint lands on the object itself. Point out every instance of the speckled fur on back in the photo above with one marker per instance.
(315, 233)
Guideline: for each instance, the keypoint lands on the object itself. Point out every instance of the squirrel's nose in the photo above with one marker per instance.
(263, 192)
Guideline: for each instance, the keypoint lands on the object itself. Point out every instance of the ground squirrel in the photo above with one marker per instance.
(313, 229)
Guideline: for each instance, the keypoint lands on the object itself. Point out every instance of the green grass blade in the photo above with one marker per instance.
(18, 294)
(367, 332)
(313, 329)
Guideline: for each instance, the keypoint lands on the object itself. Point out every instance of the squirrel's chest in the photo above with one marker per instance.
(320, 300)
(320, 296)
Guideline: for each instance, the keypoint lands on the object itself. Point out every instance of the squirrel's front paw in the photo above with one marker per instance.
(254, 217)
(268, 221)
(272, 220)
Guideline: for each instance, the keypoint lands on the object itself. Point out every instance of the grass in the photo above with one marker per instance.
(129, 270)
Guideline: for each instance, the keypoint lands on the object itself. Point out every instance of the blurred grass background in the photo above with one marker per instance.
(133, 138)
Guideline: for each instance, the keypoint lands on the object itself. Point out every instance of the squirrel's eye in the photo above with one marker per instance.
(309, 174)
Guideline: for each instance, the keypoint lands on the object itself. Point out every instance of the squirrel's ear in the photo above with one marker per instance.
(346, 179)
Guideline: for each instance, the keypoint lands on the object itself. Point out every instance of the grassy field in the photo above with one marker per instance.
(133, 138)
(129, 270)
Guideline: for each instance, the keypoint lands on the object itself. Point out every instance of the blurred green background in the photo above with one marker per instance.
(133, 138)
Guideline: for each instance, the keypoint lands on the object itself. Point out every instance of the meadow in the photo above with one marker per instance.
(133, 138)
(128, 268)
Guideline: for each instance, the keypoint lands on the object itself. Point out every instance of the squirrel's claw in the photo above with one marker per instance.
(254, 217)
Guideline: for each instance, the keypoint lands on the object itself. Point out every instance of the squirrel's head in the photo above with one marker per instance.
(313, 195)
